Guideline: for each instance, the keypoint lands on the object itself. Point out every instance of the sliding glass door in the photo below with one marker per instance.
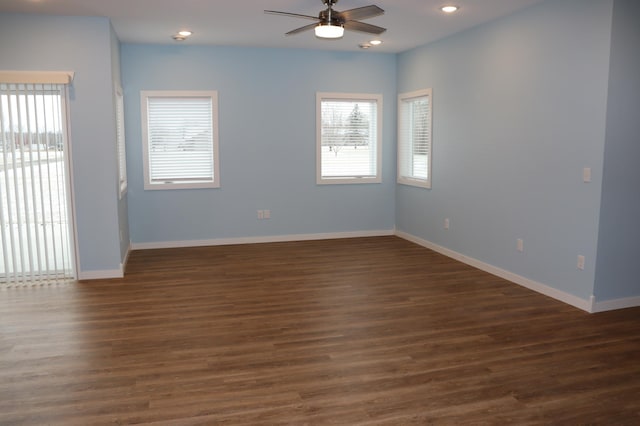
(35, 224)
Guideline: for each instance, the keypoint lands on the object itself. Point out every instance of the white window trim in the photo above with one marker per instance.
(121, 143)
(407, 180)
(323, 96)
(144, 95)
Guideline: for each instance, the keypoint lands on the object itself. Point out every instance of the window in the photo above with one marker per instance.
(348, 138)
(414, 138)
(120, 144)
(180, 139)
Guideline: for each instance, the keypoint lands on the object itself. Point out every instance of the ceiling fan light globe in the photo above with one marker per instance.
(329, 31)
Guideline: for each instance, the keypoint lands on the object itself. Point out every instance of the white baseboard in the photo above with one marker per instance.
(100, 275)
(585, 305)
(257, 240)
(610, 305)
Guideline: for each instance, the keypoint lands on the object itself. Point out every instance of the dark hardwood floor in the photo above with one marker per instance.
(375, 331)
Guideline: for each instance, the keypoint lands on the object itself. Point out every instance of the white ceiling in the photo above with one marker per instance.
(409, 23)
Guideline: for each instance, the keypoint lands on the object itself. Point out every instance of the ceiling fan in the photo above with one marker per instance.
(331, 23)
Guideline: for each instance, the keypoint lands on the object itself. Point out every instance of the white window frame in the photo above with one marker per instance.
(210, 94)
(120, 143)
(348, 97)
(404, 142)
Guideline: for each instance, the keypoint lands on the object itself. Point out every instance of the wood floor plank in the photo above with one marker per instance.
(363, 331)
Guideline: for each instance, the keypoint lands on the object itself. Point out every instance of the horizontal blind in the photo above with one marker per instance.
(34, 221)
(180, 139)
(349, 138)
(414, 137)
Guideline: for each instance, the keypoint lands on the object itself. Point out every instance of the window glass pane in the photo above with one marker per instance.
(348, 139)
(122, 156)
(414, 139)
(34, 218)
(180, 141)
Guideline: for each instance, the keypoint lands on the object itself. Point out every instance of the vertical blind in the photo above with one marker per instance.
(35, 241)
(414, 137)
(180, 139)
(349, 138)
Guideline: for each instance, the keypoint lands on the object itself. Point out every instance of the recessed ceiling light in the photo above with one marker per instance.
(449, 9)
(364, 45)
(181, 35)
(375, 42)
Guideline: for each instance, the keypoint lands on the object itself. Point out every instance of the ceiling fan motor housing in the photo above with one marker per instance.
(331, 16)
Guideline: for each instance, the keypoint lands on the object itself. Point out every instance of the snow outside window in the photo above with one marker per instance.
(349, 144)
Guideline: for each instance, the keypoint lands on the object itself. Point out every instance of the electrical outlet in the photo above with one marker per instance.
(446, 223)
(586, 174)
(581, 262)
(520, 245)
(266, 214)
(260, 214)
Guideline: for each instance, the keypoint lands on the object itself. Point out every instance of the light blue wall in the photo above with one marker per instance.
(519, 111)
(267, 142)
(34, 42)
(617, 273)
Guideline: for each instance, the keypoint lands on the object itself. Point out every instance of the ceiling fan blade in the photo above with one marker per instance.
(360, 13)
(362, 27)
(295, 15)
(301, 29)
